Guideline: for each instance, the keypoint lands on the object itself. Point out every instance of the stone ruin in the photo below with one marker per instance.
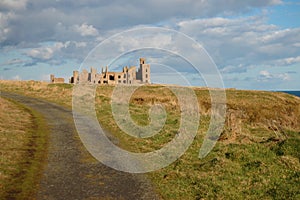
(128, 75)
(56, 80)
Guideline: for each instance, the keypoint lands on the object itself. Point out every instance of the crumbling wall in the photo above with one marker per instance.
(56, 80)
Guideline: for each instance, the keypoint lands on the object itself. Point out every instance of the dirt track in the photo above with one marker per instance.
(70, 173)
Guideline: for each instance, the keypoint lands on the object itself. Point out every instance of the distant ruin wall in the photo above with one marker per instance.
(56, 80)
(128, 75)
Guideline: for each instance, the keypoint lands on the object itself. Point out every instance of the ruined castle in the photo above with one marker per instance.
(56, 80)
(129, 75)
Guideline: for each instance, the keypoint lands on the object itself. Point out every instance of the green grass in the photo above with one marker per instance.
(256, 157)
(261, 161)
(60, 85)
(23, 172)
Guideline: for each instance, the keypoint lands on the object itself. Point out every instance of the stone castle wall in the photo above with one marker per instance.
(127, 76)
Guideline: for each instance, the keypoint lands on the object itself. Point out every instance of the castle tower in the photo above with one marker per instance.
(51, 78)
(144, 71)
(83, 76)
(92, 75)
(75, 77)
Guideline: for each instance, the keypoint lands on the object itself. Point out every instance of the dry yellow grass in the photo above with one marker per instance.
(248, 112)
(257, 156)
(43, 89)
(14, 125)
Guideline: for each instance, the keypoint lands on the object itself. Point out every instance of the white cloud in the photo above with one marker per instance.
(290, 60)
(278, 34)
(297, 44)
(80, 44)
(246, 41)
(4, 24)
(55, 32)
(45, 52)
(234, 69)
(12, 62)
(37, 20)
(86, 30)
(13, 4)
(284, 76)
(265, 76)
(56, 53)
(42, 53)
(160, 40)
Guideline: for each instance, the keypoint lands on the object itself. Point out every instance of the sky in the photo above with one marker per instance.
(255, 44)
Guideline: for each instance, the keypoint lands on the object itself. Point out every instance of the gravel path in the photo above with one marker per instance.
(70, 172)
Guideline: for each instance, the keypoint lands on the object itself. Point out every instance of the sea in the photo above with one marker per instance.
(296, 93)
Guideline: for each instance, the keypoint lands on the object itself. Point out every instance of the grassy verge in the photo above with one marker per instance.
(23, 149)
(257, 155)
(58, 93)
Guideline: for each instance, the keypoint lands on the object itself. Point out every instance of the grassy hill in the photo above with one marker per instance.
(257, 155)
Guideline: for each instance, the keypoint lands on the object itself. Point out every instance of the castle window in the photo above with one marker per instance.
(124, 75)
(124, 81)
(119, 81)
(119, 76)
(111, 77)
(146, 75)
(146, 70)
